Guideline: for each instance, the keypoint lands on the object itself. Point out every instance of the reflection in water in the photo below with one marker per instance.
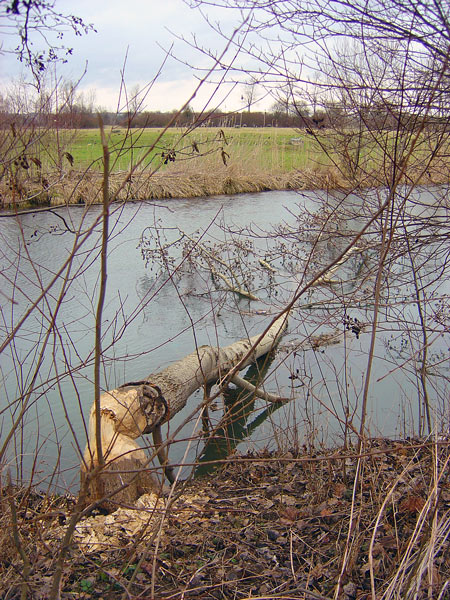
(238, 422)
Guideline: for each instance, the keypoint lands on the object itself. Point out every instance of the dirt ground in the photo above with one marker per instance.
(292, 526)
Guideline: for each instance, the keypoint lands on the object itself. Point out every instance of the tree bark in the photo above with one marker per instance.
(138, 408)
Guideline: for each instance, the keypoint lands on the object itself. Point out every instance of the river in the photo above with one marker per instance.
(162, 300)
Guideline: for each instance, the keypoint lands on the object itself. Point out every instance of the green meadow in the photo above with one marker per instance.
(281, 150)
(270, 150)
(65, 166)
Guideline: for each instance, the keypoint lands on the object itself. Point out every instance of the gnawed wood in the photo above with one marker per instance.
(267, 266)
(140, 407)
(246, 385)
(325, 279)
(237, 290)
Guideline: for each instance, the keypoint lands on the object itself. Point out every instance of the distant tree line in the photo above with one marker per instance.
(214, 119)
(75, 111)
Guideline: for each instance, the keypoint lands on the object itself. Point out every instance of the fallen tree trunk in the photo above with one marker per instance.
(137, 408)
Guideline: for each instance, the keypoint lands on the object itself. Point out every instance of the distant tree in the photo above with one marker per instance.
(188, 114)
(288, 103)
(4, 104)
(283, 102)
(134, 104)
(250, 94)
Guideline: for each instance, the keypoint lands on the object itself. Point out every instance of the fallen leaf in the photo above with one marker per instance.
(290, 513)
(287, 500)
(339, 489)
(412, 504)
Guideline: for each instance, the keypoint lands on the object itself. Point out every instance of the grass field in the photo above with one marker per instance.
(272, 148)
(65, 166)
(269, 150)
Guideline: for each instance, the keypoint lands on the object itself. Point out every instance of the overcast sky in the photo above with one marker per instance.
(140, 30)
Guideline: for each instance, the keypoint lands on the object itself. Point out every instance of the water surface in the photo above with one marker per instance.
(159, 307)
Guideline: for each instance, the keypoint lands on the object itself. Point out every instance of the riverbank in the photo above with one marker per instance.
(205, 162)
(291, 525)
(86, 189)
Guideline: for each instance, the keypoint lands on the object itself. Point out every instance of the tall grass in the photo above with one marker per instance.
(207, 161)
(64, 166)
(270, 147)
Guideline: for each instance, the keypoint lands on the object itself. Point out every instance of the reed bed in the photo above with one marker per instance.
(224, 162)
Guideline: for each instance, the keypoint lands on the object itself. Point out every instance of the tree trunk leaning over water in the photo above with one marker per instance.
(137, 408)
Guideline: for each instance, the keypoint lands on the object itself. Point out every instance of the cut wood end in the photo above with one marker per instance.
(124, 407)
(122, 481)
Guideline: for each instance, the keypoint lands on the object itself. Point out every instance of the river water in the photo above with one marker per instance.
(162, 301)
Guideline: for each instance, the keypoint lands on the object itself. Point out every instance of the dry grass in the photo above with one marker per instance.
(198, 181)
(85, 189)
(265, 526)
(247, 162)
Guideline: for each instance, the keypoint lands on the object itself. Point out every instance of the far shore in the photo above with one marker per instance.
(201, 164)
(86, 189)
